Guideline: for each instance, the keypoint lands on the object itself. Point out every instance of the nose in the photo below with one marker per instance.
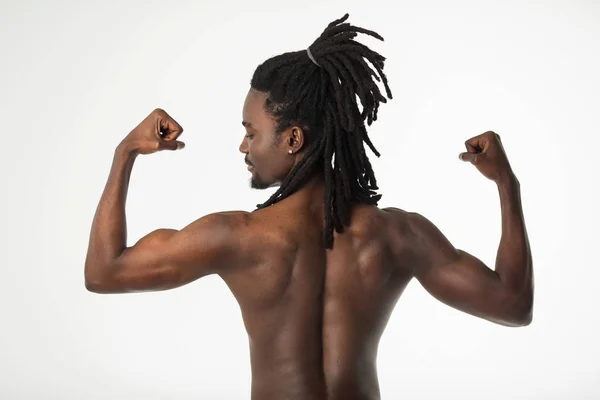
(243, 146)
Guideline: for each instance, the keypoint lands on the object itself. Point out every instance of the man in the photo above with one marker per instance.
(318, 268)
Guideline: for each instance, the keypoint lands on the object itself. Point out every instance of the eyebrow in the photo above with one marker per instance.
(247, 124)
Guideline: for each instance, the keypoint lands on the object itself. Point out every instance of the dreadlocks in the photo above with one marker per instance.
(322, 99)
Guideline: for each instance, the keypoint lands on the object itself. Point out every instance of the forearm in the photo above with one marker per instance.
(108, 236)
(513, 261)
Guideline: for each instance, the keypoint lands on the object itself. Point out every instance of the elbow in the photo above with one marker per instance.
(90, 281)
(514, 308)
(96, 278)
(513, 320)
(99, 288)
(526, 315)
(105, 284)
(528, 321)
(521, 314)
(92, 286)
(523, 319)
(94, 283)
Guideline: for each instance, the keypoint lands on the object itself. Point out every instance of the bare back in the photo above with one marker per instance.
(315, 317)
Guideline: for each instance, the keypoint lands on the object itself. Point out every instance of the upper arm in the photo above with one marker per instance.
(456, 277)
(168, 258)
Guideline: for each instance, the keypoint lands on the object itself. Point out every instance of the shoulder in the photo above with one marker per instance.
(225, 223)
(228, 219)
(412, 236)
(221, 236)
(424, 243)
(414, 228)
(408, 222)
(394, 212)
(397, 220)
(240, 236)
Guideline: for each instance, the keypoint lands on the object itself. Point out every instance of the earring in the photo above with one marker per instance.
(290, 151)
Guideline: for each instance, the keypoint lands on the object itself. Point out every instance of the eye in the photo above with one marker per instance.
(249, 136)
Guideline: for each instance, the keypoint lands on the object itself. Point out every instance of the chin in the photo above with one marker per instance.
(257, 183)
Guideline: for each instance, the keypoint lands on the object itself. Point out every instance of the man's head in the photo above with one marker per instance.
(271, 155)
(312, 110)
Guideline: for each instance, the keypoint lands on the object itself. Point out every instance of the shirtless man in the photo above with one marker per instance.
(316, 284)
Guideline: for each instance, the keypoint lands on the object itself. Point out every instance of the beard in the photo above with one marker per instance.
(257, 183)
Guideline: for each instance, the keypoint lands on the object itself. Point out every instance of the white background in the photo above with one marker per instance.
(75, 78)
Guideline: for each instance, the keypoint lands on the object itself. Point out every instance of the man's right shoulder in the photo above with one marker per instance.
(248, 240)
(255, 230)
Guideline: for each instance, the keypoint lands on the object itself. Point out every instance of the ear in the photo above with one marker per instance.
(295, 139)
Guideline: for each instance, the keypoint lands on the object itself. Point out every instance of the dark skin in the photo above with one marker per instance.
(314, 317)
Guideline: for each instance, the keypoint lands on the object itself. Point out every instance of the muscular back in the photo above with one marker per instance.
(314, 317)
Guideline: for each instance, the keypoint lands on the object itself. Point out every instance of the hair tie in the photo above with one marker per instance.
(311, 57)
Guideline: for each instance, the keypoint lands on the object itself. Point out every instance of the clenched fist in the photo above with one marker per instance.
(158, 131)
(486, 153)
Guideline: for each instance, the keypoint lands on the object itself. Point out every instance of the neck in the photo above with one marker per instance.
(312, 193)
(315, 183)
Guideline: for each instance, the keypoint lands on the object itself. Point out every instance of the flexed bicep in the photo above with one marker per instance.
(168, 258)
(456, 277)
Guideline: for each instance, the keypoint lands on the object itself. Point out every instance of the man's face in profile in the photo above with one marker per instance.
(264, 153)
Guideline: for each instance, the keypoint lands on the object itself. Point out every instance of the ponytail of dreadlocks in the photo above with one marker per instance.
(323, 100)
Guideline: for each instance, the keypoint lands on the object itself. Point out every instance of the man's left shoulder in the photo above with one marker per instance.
(237, 216)
(230, 224)
(223, 237)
